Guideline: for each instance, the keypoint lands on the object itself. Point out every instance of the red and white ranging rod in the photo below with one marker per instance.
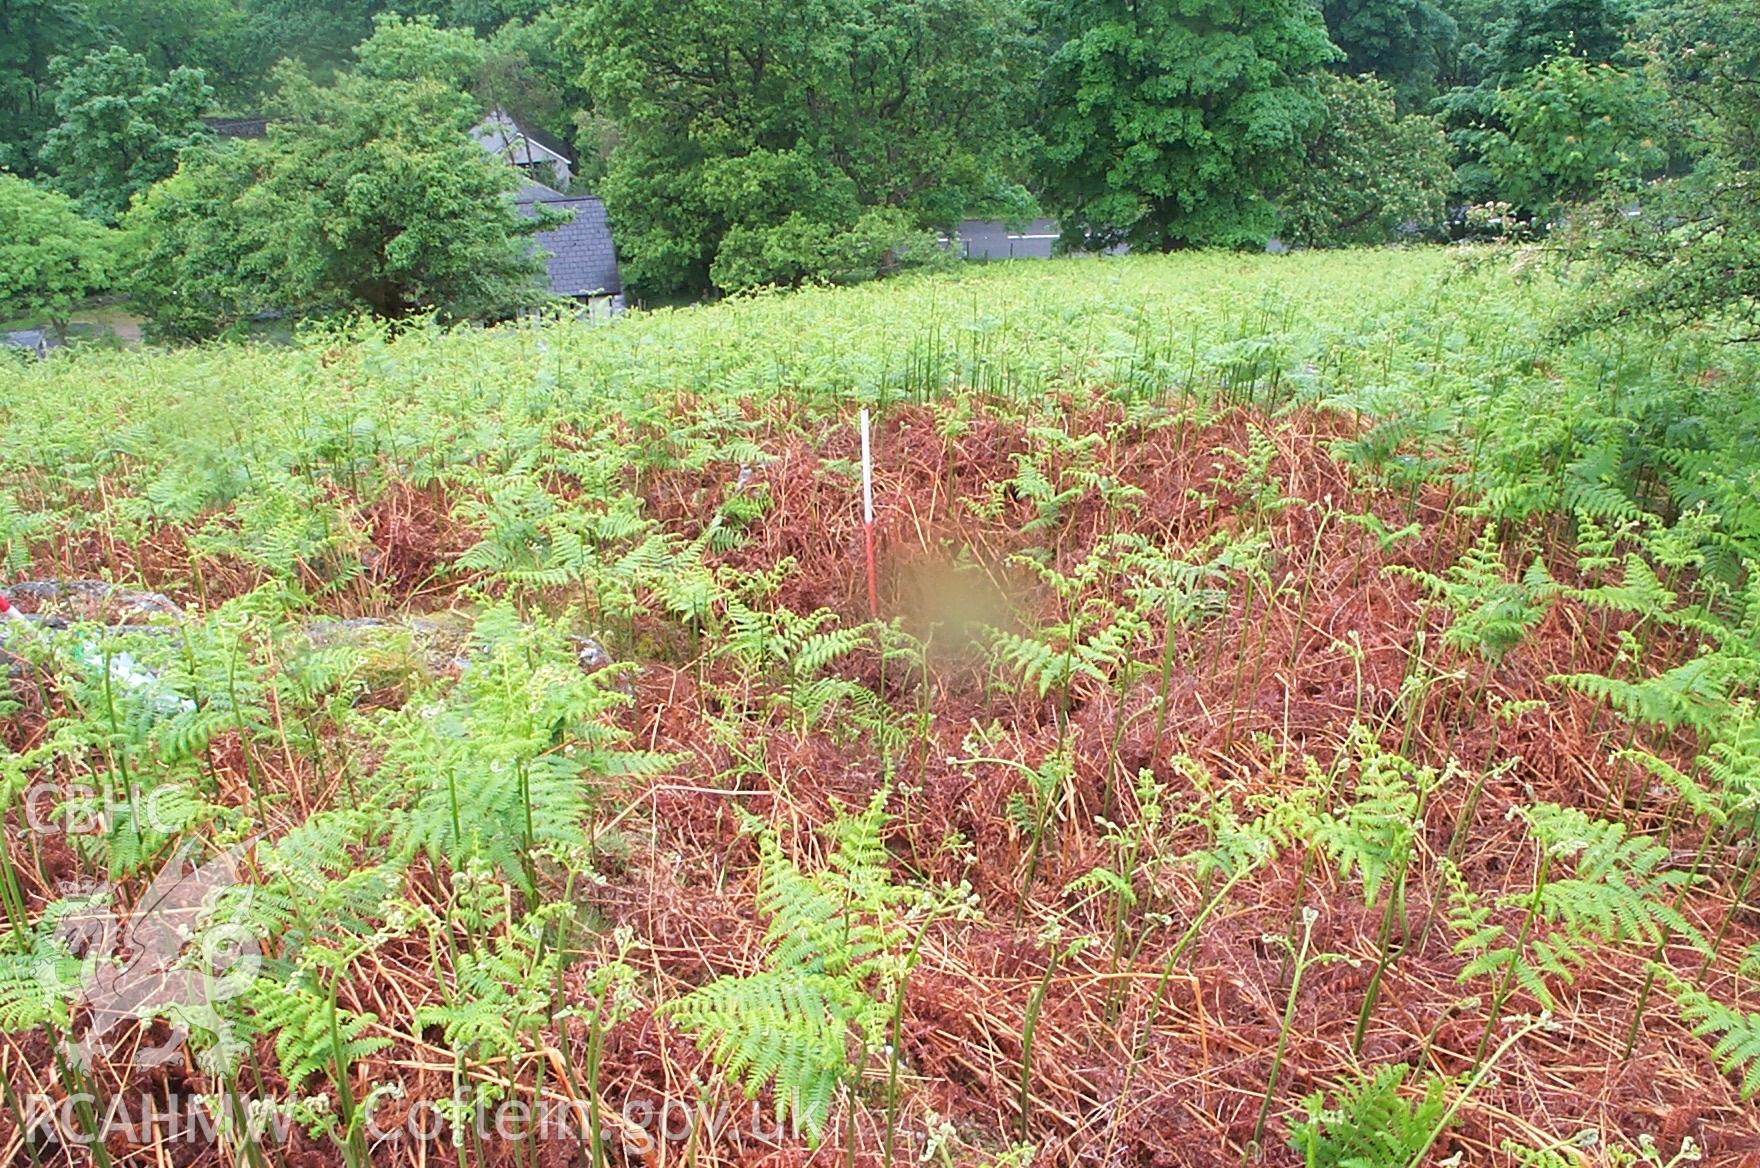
(868, 515)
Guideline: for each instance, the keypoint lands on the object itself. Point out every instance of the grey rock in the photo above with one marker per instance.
(592, 655)
(433, 644)
(92, 600)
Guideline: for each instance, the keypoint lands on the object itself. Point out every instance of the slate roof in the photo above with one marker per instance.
(580, 256)
(37, 341)
(535, 192)
(991, 240)
(501, 134)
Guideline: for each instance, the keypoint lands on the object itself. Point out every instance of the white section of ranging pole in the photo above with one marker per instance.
(867, 474)
(868, 518)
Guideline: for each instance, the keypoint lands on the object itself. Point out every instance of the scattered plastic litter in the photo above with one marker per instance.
(61, 604)
(130, 675)
(433, 644)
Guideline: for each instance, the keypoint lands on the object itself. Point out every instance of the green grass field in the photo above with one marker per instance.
(1308, 719)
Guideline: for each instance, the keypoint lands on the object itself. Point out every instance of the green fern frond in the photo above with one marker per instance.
(312, 1034)
(500, 992)
(1526, 1157)
(788, 1030)
(1042, 665)
(506, 761)
(821, 649)
(38, 975)
(1737, 1049)
(1369, 1124)
(1693, 694)
(1696, 798)
(1639, 593)
(836, 952)
(1622, 889)
(1373, 836)
(1491, 614)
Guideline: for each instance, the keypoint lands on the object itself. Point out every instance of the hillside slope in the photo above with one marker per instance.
(1287, 670)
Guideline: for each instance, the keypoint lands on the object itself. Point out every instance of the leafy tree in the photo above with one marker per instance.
(1519, 39)
(318, 34)
(1533, 30)
(801, 248)
(32, 34)
(1573, 129)
(1403, 42)
(367, 196)
(772, 129)
(385, 203)
(1463, 62)
(522, 69)
(121, 130)
(418, 49)
(214, 36)
(198, 251)
(1166, 122)
(1691, 249)
(484, 16)
(531, 68)
(1371, 174)
(51, 258)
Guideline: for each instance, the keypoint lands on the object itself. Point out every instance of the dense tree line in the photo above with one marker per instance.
(763, 141)
(753, 142)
